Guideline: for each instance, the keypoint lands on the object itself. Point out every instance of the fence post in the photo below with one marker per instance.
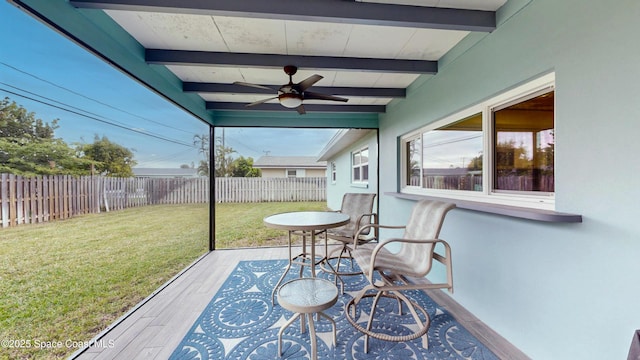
(4, 196)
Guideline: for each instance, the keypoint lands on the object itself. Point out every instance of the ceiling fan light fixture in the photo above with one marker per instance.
(290, 100)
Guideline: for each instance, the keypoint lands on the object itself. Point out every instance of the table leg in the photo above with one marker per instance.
(333, 323)
(289, 322)
(312, 334)
(325, 260)
(303, 255)
(275, 288)
(313, 253)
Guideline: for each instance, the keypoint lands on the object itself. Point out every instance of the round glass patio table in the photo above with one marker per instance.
(305, 224)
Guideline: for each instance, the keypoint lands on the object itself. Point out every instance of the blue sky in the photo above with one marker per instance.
(39, 65)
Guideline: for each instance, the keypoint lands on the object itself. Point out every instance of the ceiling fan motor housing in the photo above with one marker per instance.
(290, 100)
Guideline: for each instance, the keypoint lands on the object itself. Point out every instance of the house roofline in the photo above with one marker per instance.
(341, 140)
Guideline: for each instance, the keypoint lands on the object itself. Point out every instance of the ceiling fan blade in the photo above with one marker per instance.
(308, 82)
(300, 110)
(308, 95)
(254, 86)
(262, 101)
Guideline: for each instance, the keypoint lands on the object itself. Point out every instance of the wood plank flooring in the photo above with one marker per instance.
(155, 329)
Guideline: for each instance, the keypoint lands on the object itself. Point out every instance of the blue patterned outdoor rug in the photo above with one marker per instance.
(241, 323)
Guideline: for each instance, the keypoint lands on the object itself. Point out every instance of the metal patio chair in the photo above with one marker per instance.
(414, 260)
(359, 207)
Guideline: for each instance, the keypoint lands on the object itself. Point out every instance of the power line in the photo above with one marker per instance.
(59, 102)
(242, 144)
(89, 98)
(99, 120)
(451, 141)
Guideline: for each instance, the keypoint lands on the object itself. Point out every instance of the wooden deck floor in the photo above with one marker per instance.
(155, 329)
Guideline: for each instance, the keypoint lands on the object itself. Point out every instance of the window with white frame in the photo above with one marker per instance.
(360, 166)
(500, 151)
(333, 172)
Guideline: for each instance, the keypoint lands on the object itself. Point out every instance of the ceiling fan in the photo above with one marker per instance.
(292, 95)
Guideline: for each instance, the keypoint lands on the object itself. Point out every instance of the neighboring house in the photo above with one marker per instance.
(290, 166)
(351, 157)
(164, 172)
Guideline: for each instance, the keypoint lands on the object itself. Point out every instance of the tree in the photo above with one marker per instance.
(545, 155)
(222, 156)
(512, 159)
(28, 145)
(202, 142)
(225, 164)
(243, 167)
(223, 159)
(41, 157)
(476, 163)
(109, 158)
(17, 123)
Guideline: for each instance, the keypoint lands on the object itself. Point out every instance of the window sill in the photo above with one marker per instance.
(506, 210)
(360, 185)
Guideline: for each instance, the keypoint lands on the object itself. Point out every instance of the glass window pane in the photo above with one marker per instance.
(364, 156)
(452, 156)
(525, 142)
(365, 172)
(356, 174)
(356, 158)
(413, 162)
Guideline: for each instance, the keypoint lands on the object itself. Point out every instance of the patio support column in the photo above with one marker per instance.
(212, 190)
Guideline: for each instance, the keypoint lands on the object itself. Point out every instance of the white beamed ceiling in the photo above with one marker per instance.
(250, 35)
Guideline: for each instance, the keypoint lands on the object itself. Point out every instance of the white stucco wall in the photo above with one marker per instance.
(556, 291)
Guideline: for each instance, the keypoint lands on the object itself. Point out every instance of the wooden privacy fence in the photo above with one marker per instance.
(270, 189)
(46, 198)
(29, 200)
(122, 193)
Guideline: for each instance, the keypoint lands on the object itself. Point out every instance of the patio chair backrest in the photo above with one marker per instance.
(424, 223)
(355, 205)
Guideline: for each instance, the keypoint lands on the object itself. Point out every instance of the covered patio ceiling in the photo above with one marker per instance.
(192, 51)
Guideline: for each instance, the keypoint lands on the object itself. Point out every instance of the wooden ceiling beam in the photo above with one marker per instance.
(212, 58)
(334, 11)
(327, 90)
(212, 105)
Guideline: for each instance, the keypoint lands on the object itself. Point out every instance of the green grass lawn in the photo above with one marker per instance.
(240, 225)
(68, 280)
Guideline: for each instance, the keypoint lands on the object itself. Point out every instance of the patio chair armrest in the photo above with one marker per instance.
(375, 226)
(373, 216)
